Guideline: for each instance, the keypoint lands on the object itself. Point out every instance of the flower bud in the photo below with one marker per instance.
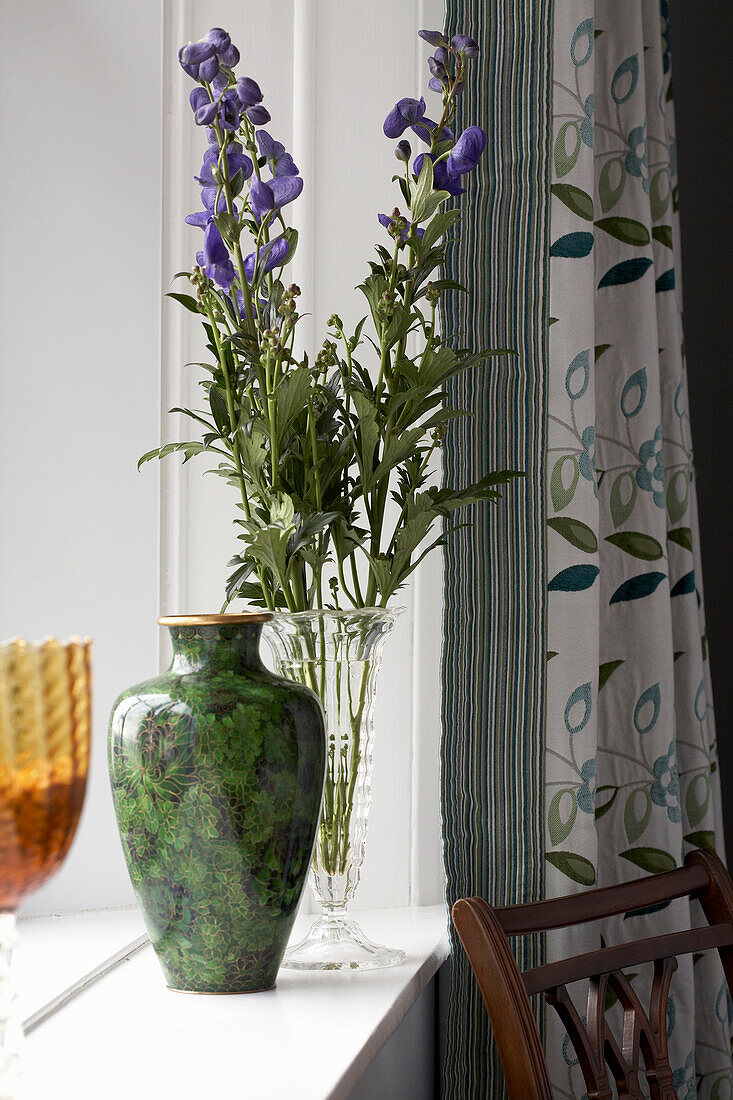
(432, 294)
(334, 321)
(463, 43)
(433, 38)
(403, 150)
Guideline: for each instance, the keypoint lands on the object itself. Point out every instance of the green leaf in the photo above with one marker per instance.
(636, 588)
(622, 506)
(637, 813)
(637, 544)
(625, 229)
(628, 271)
(682, 536)
(572, 245)
(611, 182)
(551, 653)
(229, 228)
(438, 227)
(677, 500)
(186, 300)
(654, 860)
(604, 807)
(562, 490)
(576, 578)
(188, 450)
(575, 866)
(576, 532)
(560, 819)
(697, 798)
(685, 586)
(599, 350)
(663, 234)
(291, 396)
(219, 410)
(704, 838)
(422, 191)
(606, 670)
(565, 158)
(577, 200)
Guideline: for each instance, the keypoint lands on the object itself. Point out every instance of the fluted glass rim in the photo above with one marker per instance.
(347, 615)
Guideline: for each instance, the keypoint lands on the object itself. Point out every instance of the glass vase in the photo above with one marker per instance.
(338, 654)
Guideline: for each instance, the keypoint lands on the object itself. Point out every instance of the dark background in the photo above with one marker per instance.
(702, 75)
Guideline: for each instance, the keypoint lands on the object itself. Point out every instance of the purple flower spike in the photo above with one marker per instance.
(466, 153)
(463, 43)
(285, 189)
(257, 115)
(248, 91)
(279, 161)
(272, 255)
(261, 199)
(434, 38)
(217, 264)
(406, 112)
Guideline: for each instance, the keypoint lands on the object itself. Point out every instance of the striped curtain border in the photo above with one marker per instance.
(494, 647)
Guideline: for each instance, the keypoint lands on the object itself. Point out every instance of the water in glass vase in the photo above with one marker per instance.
(338, 654)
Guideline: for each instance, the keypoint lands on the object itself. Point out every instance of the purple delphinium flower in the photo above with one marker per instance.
(386, 221)
(202, 217)
(248, 91)
(215, 259)
(257, 115)
(224, 107)
(466, 153)
(236, 160)
(463, 43)
(279, 160)
(434, 38)
(441, 180)
(272, 255)
(261, 199)
(426, 128)
(227, 53)
(406, 112)
(202, 59)
(271, 196)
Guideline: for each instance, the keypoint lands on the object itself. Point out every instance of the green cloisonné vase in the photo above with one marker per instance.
(217, 770)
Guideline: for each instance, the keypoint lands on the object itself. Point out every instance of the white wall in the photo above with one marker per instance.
(80, 127)
(80, 379)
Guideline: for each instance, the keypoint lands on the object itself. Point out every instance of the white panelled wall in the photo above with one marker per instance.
(84, 545)
(80, 130)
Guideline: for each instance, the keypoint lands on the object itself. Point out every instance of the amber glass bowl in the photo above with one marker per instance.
(45, 710)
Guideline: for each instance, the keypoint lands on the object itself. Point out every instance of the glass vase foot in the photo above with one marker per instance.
(336, 942)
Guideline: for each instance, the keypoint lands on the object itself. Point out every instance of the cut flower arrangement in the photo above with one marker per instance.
(331, 455)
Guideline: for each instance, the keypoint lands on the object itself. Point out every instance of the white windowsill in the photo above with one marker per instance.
(311, 1038)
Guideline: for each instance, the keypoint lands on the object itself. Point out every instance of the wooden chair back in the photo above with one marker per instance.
(604, 1060)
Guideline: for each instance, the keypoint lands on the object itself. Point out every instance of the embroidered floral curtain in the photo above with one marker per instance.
(579, 748)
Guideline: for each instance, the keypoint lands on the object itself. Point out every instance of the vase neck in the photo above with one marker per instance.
(232, 647)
